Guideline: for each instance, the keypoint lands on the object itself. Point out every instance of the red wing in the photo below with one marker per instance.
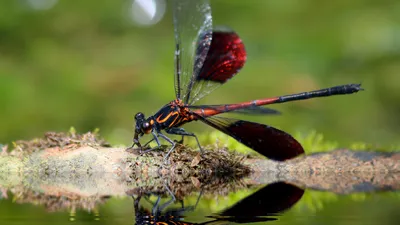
(225, 57)
(267, 141)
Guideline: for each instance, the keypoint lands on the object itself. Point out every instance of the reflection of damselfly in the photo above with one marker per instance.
(204, 60)
(158, 215)
(263, 205)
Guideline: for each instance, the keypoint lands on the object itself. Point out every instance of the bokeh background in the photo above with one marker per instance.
(93, 64)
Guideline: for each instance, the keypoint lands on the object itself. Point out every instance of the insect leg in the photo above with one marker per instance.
(147, 143)
(136, 203)
(169, 202)
(136, 141)
(155, 137)
(183, 132)
(181, 141)
(170, 141)
(155, 207)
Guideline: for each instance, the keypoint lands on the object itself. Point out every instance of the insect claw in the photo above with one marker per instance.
(166, 161)
(131, 147)
(166, 157)
(178, 142)
(201, 152)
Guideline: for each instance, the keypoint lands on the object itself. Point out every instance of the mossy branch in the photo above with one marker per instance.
(86, 165)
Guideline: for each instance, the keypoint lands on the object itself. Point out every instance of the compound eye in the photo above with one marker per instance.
(139, 116)
(146, 127)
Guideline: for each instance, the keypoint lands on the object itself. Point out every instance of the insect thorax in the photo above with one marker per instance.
(174, 114)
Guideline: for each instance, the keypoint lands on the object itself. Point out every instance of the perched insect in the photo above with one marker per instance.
(204, 60)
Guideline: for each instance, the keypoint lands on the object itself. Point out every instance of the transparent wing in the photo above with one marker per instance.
(224, 58)
(252, 110)
(192, 18)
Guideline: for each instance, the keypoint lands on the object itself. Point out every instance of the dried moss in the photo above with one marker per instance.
(65, 141)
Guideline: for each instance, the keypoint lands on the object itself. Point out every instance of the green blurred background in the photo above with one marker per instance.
(87, 64)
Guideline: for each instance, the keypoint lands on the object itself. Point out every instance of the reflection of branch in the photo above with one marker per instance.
(340, 171)
(58, 202)
(86, 166)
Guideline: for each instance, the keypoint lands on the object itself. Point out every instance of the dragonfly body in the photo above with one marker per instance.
(174, 114)
(204, 60)
(338, 90)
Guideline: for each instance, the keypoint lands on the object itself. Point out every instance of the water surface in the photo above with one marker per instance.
(277, 203)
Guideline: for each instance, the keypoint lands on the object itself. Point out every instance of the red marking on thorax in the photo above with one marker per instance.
(185, 114)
